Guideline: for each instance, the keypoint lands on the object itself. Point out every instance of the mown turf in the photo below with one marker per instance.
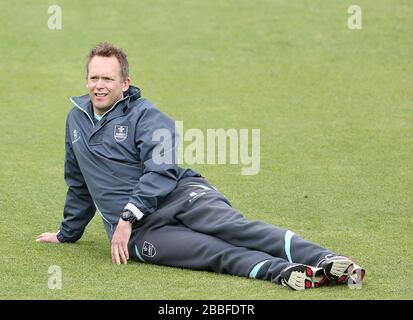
(334, 107)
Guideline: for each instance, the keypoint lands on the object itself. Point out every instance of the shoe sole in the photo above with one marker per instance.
(302, 277)
(342, 270)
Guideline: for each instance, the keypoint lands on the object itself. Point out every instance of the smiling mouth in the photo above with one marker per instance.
(101, 94)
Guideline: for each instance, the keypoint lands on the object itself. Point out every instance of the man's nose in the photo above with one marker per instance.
(100, 84)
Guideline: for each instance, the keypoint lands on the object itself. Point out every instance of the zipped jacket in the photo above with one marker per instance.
(116, 163)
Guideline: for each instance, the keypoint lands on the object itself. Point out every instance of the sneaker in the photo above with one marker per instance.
(300, 277)
(340, 269)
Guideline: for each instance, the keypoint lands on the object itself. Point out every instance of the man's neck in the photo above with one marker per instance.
(101, 112)
(98, 117)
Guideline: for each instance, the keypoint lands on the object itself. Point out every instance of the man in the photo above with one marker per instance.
(158, 212)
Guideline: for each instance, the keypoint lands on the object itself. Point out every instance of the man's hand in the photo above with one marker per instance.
(120, 239)
(47, 237)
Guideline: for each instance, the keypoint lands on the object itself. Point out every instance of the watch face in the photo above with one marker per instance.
(126, 215)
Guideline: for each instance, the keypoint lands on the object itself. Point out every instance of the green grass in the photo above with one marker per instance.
(334, 107)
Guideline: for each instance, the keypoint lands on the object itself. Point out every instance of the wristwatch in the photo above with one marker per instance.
(127, 215)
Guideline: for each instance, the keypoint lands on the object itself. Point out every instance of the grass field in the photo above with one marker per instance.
(333, 105)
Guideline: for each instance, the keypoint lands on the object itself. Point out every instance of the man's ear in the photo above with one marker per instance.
(126, 84)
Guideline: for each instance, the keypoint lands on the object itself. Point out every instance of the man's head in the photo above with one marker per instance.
(107, 76)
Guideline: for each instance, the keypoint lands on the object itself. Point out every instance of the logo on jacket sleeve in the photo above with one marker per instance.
(76, 136)
(121, 133)
(148, 249)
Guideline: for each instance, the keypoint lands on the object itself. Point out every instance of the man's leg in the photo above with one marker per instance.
(179, 246)
(207, 211)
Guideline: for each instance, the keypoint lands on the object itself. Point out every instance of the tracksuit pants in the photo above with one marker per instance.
(197, 228)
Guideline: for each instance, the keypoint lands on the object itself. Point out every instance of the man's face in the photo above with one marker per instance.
(105, 83)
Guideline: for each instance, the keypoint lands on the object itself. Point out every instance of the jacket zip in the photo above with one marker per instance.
(93, 124)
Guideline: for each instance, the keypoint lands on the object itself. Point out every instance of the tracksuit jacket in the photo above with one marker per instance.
(109, 164)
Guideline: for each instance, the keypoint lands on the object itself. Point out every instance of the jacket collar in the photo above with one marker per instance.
(84, 103)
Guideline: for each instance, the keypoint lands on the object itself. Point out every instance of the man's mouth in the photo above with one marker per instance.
(101, 94)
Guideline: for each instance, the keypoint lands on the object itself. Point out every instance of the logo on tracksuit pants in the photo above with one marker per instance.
(148, 249)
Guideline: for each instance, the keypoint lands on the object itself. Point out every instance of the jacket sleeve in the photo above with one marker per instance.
(79, 208)
(157, 143)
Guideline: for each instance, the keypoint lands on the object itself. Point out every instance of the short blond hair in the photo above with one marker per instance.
(105, 49)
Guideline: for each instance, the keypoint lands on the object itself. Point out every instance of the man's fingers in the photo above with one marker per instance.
(115, 254)
(126, 251)
(40, 236)
(111, 252)
(47, 237)
(122, 255)
(123, 249)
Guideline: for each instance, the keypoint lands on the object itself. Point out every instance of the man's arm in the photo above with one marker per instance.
(79, 208)
(159, 177)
